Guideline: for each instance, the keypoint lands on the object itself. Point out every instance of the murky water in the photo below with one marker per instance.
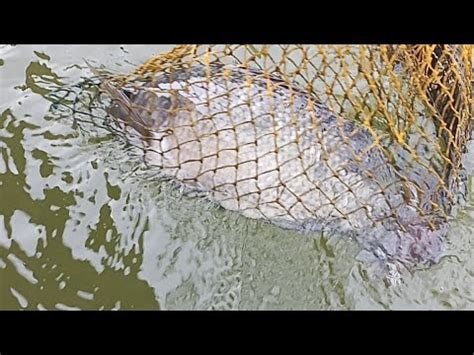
(82, 228)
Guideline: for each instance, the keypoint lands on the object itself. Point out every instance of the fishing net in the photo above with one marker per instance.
(315, 137)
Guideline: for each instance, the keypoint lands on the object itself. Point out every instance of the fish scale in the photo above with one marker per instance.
(277, 155)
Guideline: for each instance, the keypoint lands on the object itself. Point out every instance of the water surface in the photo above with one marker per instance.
(82, 228)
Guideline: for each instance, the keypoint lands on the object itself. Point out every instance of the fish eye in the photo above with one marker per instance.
(164, 102)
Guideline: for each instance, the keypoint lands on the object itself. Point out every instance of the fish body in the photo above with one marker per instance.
(257, 145)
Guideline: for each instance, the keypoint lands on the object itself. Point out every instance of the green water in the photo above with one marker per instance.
(82, 228)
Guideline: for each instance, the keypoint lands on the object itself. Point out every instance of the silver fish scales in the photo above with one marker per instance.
(260, 146)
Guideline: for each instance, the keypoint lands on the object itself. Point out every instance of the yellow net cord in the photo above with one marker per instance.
(411, 104)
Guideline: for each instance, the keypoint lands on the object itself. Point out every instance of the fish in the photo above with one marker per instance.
(267, 149)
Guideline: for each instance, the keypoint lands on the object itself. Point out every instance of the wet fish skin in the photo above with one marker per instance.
(278, 155)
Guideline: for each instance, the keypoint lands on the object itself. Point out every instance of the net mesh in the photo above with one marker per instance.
(318, 137)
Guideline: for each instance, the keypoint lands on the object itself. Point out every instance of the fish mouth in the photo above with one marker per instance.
(426, 246)
(417, 245)
(389, 254)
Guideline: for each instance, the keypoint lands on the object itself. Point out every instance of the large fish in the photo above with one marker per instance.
(268, 150)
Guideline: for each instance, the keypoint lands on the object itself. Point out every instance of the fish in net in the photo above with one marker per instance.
(364, 141)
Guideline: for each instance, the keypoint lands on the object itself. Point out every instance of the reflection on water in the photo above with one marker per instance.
(82, 226)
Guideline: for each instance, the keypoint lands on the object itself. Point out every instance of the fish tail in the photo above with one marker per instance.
(122, 109)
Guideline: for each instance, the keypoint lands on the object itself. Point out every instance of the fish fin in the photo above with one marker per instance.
(94, 70)
(127, 114)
